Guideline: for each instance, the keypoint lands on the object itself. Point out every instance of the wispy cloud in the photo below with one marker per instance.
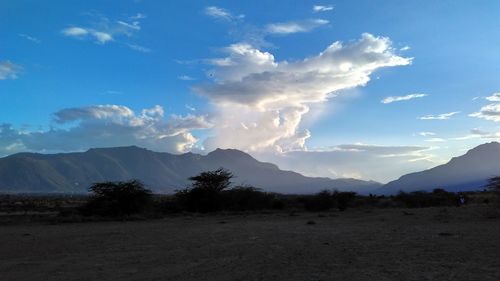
(479, 134)
(9, 70)
(444, 116)
(30, 38)
(139, 48)
(322, 8)
(435, 140)
(138, 16)
(103, 30)
(426, 134)
(295, 26)
(222, 14)
(405, 48)
(402, 98)
(192, 108)
(185, 78)
(84, 33)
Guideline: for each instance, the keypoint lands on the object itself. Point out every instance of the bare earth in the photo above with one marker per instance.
(392, 244)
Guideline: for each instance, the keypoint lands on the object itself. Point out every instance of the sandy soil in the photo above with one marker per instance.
(423, 244)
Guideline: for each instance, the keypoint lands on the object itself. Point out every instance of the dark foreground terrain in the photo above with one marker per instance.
(381, 244)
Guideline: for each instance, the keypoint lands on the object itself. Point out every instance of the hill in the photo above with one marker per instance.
(464, 173)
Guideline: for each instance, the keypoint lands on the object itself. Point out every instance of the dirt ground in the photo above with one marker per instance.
(381, 244)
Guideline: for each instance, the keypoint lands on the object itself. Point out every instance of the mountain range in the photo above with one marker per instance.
(470, 171)
(161, 172)
(165, 173)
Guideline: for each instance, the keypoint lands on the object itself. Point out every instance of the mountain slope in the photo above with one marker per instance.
(467, 172)
(162, 172)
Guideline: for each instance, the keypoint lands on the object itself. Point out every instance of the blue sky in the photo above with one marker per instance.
(408, 85)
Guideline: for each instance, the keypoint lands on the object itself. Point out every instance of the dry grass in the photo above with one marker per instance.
(381, 244)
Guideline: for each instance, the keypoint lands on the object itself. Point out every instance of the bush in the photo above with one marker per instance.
(421, 199)
(247, 198)
(321, 201)
(112, 199)
(494, 185)
(325, 200)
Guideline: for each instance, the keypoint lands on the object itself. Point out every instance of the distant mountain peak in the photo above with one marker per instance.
(466, 172)
(229, 152)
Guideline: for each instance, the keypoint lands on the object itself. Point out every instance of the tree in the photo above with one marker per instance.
(216, 181)
(118, 198)
(494, 184)
(204, 195)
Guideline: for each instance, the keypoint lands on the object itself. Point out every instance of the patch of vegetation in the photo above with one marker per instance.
(494, 185)
(422, 199)
(115, 199)
(211, 192)
(326, 200)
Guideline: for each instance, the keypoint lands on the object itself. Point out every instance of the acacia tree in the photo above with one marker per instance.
(118, 198)
(204, 195)
(216, 181)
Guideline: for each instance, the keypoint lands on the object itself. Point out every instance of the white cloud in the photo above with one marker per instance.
(405, 48)
(135, 25)
(139, 48)
(220, 13)
(9, 70)
(261, 101)
(104, 30)
(479, 134)
(426, 134)
(83, 33)
(75, 31)
(138, 16)
(402, 98)
(489, 112)
(322, 8)
(192, 108)
(30, 38)
(444, 116)
(494, 97)
(185, 78)
(102, 37)
(435, 140)
(295, 26)
(106, 126)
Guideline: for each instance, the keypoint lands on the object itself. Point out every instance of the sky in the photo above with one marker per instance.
(362, 89)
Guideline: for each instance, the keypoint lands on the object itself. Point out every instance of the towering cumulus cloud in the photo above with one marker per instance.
(261, 101)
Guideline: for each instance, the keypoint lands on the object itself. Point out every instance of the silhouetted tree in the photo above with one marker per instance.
(216, 181)
(204, 195)
(117, 198)
(494, 184)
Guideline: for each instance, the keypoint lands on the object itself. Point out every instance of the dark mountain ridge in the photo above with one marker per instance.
(162, 172)
(470, 171)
